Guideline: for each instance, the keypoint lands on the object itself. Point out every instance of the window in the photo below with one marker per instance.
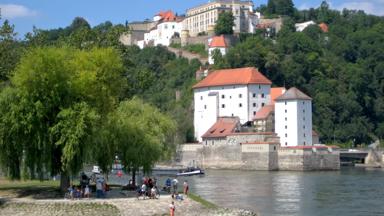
(304, 143)
(222, 105)
(262, 95)
(222, 96)
(253, 95)
(262, 104)
(285, 102)
(201, 97)
(232, 114)
(240, 105)
(303, 118)
(285, 111)
(254, 113)
(254, 104)
(240, 95)
(205, 106)
(230, 97)
(304, 127)
(274, 148)
(303, 102)
(286, 127)
(304, 135)
(286, 143)
(259, 87)
(286, 135)
(303, 110)
(285, 118)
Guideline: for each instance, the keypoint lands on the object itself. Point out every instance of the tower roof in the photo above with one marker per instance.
(238, 76)
(218, 41)
(293, 94)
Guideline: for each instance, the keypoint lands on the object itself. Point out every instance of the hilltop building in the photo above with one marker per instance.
(216, 43)
(198, 19)
(168, 26)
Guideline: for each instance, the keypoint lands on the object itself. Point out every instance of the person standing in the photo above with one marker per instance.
(172, 209)
(185, 187)
(174, 183)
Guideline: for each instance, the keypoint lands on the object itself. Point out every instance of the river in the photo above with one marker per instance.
(350, 191)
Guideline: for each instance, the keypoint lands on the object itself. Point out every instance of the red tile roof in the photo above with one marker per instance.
(218, 41)
(238, 76)
(323, 27)
(167, 16)
(293, 94)
(276, 92)
(253, 133)
(222, 128)
(264, 112)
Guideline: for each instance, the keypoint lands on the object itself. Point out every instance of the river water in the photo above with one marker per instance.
(350, 191)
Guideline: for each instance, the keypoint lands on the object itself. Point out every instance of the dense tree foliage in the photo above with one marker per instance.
(225, 23)
(60, 108)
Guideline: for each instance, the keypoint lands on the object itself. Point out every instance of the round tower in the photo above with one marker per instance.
(184, 37)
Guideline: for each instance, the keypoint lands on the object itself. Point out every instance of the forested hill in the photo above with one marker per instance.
(342, 70)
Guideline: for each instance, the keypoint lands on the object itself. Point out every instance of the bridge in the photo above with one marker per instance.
(353, 155)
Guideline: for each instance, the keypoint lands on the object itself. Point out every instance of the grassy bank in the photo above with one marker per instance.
(34, 189)
(202, 201)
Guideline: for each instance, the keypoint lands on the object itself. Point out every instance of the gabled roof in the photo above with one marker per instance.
(276, 92)
(222, 128)
(264, 112)
(238, 76)
(323, 27)
(218, 41)
(293, 94)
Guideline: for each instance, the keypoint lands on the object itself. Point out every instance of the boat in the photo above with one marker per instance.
(190, 171)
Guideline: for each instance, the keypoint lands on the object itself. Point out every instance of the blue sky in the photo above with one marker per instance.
(47, 14)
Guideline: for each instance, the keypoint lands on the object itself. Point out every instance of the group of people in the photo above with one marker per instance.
(174, 184)
(84, 190)
(149, 188)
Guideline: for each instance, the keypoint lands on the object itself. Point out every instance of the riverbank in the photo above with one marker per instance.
(34, 198)
(111, 206)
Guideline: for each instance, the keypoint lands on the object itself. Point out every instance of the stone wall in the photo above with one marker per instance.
(308, 159)
(220, 157)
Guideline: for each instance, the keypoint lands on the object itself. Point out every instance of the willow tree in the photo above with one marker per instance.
(141, 135)
(57, 99)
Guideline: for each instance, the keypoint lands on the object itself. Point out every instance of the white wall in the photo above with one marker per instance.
(290, 121)
(227, 104)
(163, 33)
(222, 50)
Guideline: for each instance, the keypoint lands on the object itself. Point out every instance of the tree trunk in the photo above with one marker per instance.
(64, 182)
(134, 177)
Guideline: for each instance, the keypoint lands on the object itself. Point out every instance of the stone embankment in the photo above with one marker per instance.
(111, 206)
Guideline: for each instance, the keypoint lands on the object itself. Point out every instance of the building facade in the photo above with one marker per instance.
(237, 92)
(216, 43)
(198, 19)
(293, 118)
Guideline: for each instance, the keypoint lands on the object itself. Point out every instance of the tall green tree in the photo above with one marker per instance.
(10, 50)
(140, 134)
(61, 96)
(225, 23)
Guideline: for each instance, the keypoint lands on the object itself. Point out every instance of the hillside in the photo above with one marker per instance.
(342, 70)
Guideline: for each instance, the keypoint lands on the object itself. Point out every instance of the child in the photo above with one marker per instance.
(172, 209)
(86, 191)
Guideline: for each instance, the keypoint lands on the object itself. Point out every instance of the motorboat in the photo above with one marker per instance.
(190, 171)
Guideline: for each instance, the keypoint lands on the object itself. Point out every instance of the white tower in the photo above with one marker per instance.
(293, 118)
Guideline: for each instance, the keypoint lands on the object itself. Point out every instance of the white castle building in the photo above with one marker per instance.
(293, 118)
(168, 26)
(245, 93)
(198, 19)
(232, 92)
(216, 42)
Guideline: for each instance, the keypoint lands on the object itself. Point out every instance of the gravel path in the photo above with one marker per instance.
(110, 206)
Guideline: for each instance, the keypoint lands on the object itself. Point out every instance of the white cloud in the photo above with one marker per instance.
(10, 11)
(369, 6)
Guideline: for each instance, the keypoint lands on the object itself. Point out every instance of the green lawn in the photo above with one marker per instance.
(35, 189)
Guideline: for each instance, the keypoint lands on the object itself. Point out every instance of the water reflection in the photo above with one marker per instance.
(342, 193)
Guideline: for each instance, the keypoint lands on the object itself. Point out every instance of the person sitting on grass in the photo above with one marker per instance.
(179, 197)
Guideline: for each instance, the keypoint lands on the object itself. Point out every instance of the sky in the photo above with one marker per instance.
(48, 14)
